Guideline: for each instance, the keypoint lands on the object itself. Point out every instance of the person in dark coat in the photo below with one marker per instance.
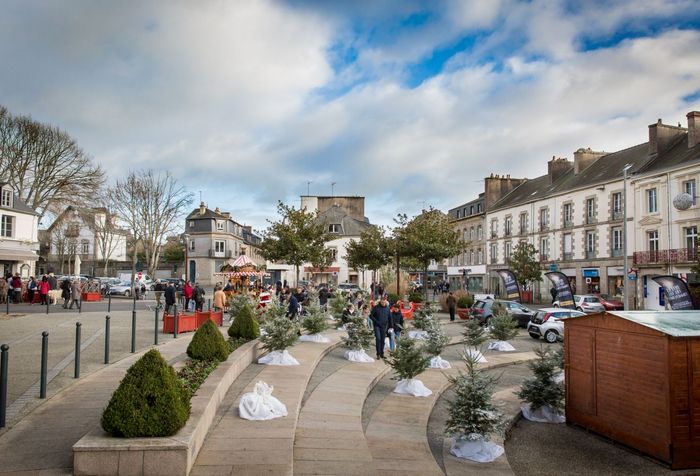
(451, 306)
(397, 325)
(381, 319)
(169, 297)
(553, 292)
(53, 282)
(65, 293)
(323, 295)
(293, 308)
(198, 296)
(347, 313)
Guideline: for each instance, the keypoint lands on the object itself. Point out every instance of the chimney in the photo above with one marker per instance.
(202, 208)
(557, 167)
(584, 158)
(498, 186)
(226, 214)
(217, 210)
(693, 128)
(661, 136)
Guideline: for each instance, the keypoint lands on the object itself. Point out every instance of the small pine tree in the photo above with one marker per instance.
(274, 309)
(280, 333)
(150, 400)
(238, 302)
(315, 320)
(437, 339)
(336, 304)
(359, 335)
(473, 415)
(474, 334)
(409, 359)
(245, 325)
(503, 327)
(422, 318)
(208, 344)
(541, 389)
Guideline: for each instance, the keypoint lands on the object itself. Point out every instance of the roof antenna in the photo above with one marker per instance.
(308, 184)
(333, 189)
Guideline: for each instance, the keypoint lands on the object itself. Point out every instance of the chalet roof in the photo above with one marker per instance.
(350, 226)
(673, 323)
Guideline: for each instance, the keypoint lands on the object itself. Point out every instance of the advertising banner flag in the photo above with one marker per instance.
(677, 292)
(561, 284)
(511, 284)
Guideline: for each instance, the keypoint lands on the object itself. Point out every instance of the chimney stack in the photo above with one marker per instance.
(498, 186)
(558, 167)
(661, 136)
(693, 128)
(584, 158)
(202, 208)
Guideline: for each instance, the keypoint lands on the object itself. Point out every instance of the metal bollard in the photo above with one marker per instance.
(76, 372)
(80, 306)
(109, 303)
(3, 383)
(133, 331)
(7, 301)
(107, 339)
(44, 363)
(209, 305)
(175, 321)
(155, 333)
(48, 305)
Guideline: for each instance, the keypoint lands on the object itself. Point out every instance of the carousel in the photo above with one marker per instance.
(240, 275)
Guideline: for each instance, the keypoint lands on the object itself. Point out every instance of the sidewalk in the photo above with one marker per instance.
(41, 443)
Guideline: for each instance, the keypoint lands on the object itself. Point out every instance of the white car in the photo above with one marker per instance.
(549, 323)
(587, 303)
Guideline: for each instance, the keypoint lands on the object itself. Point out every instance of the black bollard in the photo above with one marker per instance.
(175, 319)
(109, 303)
(76, 372)
(107, 340)
(44, 363)
(80, 306)
(7, 301)
(209, 305)
(3, 383)
(155, 333)
(133, 331)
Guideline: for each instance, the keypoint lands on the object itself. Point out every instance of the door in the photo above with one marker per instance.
(193, 271)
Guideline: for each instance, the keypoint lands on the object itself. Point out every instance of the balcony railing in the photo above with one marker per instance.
(508, 232)
(568, 224)
(494, 235)
(522, 231)
(544, 227)
(590, 254)
(220, 254)
(617, 215)
(590, 220)
(617, 252)
(568, 256)
(680, 255)
(544, 258)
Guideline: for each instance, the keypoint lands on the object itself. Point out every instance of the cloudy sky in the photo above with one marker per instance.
(408, 103)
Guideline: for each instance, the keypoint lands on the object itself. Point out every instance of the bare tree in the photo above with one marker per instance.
(107, 234)
(44, 165)
(149, 204)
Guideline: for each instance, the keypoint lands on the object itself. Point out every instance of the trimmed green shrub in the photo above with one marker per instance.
(415, 297)
(245, 325)
(150, 401)
(465, 302)
(502, 326)
(208, 343)
(393, 298)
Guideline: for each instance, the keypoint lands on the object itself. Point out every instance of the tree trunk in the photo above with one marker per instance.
(425, 281)
(296, 281)
(398, 276)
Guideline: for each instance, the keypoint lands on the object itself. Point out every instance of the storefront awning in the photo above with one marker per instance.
(18, 255)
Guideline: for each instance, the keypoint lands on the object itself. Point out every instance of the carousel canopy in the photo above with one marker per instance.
(240, 274)
(243, 261)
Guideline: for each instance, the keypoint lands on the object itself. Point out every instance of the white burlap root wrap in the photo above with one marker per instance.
(559, 378)
(278, 358)
(501, 346)
(480, 359)
(260, 404)
(418, 335)
(544, 414)
(319, 338)
(481, 451)
(358, 355)
(414, 387)
(439, 363)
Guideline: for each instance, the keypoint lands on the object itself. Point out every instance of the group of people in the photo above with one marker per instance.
(13, 288)
(172, 293)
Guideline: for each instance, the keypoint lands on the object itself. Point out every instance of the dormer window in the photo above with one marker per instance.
(6, 198)
(334, 228)
(191, 223)
(220, 225)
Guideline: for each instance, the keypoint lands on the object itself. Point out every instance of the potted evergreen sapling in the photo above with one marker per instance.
(314, 323)
(280, 334)
(272, 310)
(408, 361)
(474, 337)
(422, 320)
(502, 328)
(436, 343)
(543, 394)
(359, 338)
(473, 416)
(336, 305)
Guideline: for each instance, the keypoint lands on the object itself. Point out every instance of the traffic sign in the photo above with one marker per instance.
(139, 275)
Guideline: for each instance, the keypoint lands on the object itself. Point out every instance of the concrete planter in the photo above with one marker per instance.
(100, 454)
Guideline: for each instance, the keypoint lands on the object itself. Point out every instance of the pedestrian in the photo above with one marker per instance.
(65, 292)
(31, 289)
(169, 298)
(380, 290)
(219, 299)
(347, 313)
(323, 295)
(293, 307)
(187, 293)
(3, 290)
(381, 319)
(53, 282)
(158, 291)
(372, 288)
(198, 296)
(553, 292)
(75, 293)
(17, 288)
(397, 325)
(44, 288)
(451, 305)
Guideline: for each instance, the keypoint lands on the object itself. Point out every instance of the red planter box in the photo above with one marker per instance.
(185, 323)
(202, 317)
(463, 312)
(92, 297)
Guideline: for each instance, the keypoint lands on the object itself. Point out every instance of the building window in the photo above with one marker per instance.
(688, 187)
(471, 210)
(471, 233)
(523, 223)
(219, 246)
(6, 198)
(590, 210)
(653, 240)
(568, 215)
(471, 257)
(590, 244)
(219, 225)
(479, 233)
(691, 236)
(617, 205)
(544, 249)
(494, 252)
(494, 224)
(85, 247)
(652, 206)
(192, 245)
(479, 256)
(334, 228)
(478, 208)
(464, 235)
(617, 242)
(543, 219)
(333, 253)
(508, 249)
(6, 226)
(457, 213)
(568, 249)
(509, 225)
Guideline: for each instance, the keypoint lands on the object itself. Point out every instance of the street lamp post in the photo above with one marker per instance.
(624, 238)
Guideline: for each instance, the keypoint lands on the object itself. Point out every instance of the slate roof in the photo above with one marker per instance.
(209, 214)
(481, 200)
(350, 226)
(606, 169)
(18, 204)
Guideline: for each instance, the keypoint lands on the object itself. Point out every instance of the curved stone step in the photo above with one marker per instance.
(238, 446)
(329, 436)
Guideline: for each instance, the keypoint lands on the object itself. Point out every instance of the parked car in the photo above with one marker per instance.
(610, 303)
(482, 310)
(121, 289)
(549, 323)
(588, 303)
(352, 287)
